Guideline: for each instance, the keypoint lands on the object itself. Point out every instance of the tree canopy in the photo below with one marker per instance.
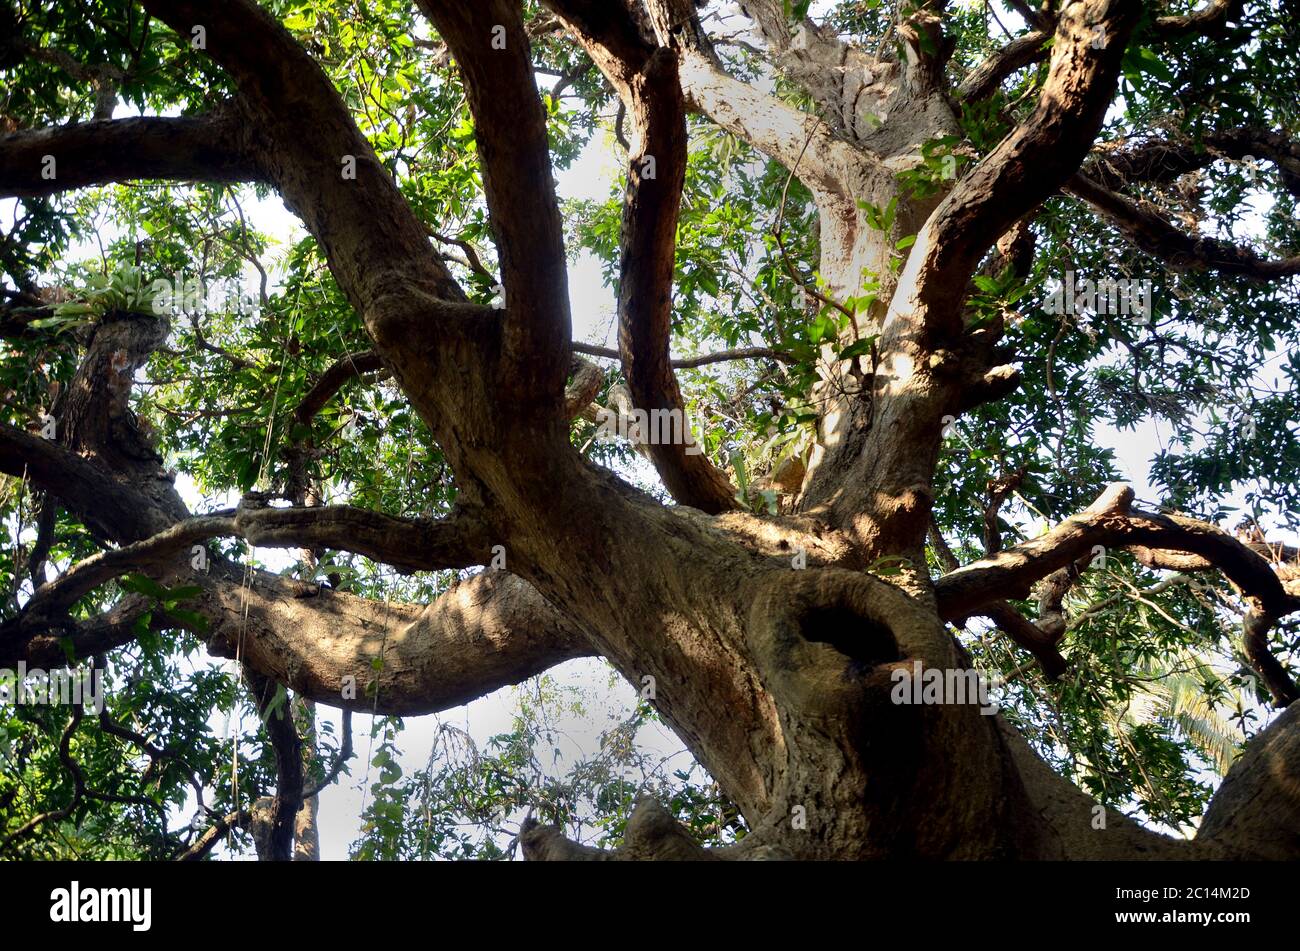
(916, 281)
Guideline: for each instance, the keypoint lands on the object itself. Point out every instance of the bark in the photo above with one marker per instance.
(211, 148)
(306, 834)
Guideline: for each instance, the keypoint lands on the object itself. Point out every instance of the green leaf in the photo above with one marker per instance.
(859, 348)
(142, 584)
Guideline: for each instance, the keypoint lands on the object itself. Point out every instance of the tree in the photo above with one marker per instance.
(879, 213)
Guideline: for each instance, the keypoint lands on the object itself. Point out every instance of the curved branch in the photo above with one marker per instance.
(49, 643)
(348, 367)
(56, 597)
(344, 754)
(1027, 635)
(1026, 168)
(1110, 522)
(1150, 231)
(985, 78)
(656, 175)
(648, 85)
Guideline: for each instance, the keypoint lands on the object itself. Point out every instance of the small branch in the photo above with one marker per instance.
(345, 753)
(213, 836)
(471, 255)
(78, 790)
(1111, 522)
(343, 370)
(690, 363)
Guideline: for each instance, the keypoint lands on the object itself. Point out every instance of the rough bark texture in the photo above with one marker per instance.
(777, 679)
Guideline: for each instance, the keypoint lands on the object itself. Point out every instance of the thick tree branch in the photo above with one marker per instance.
(652, 834)
(584, 387)
(648, 85)
(928, 366)
(796, 139)
(1159, 161)
(1027, 635)
(985, 78)
(208, 148)
(410, 544)
(111, 508)
(485, 632)
(491, 48)
(1209, 20)
(55, 598)
(656, 175)
(1028, 166)
(1256, 812)
(1152, 232)
(275, 837)
(1110, 522)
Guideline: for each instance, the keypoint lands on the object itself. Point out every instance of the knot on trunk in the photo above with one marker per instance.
(827, 641)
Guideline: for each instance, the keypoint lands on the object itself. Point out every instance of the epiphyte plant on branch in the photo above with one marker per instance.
(851, 218)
